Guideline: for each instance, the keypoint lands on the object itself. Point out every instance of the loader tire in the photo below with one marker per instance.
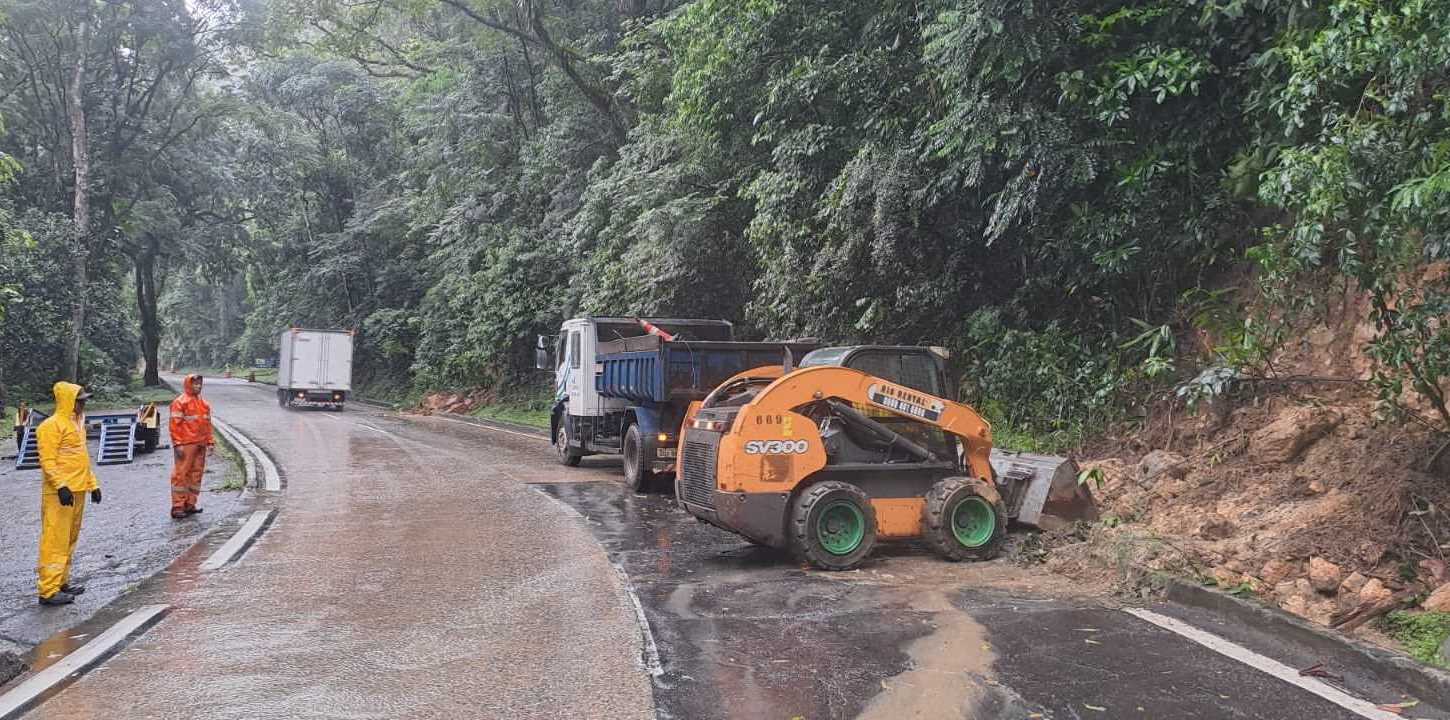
(568, 457)
(833, 525)
(636, 469)
(964, 519)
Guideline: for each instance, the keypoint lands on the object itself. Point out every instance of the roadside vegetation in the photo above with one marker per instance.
(1060, 194)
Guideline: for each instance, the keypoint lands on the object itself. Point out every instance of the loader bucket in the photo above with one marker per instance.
(1042, 491)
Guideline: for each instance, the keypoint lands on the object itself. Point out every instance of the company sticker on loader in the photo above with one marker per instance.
(777, 447)
(905, 401)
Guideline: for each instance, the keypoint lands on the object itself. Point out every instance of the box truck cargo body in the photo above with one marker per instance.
(314, 368)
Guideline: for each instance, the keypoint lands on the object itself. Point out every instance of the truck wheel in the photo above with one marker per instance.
(149, 439)
(964, 520)
(636, 468)
(282, 398)
(568, 456)
(833, 525)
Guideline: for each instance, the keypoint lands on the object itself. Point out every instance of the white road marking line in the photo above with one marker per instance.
(495, 429)
(362, 425)
(19, 699)
(234, 545)
(651, 650)
(1264, 664)
(569, 509)
(272, 480)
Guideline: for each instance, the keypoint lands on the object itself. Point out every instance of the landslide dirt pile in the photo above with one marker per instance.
(452, 402)
(1290, 490)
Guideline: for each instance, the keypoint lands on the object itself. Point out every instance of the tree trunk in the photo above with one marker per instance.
(146, 297)
(81, 216)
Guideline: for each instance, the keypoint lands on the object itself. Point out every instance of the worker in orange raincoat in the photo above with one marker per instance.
(66, 477)
(190, 440)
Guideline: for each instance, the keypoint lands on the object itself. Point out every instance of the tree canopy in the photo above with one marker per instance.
(1052, 190)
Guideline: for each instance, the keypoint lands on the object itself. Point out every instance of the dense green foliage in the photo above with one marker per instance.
(1049, 189)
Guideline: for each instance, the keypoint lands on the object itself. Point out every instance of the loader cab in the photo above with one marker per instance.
(916, 367)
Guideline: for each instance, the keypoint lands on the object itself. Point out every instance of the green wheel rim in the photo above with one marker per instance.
(841, 527)
(974, 522)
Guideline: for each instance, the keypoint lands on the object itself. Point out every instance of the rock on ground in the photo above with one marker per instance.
(1276, 571)
(1374, 591)
(10, 666)
(1439, 601)
(1162, 462)
(1325, 576)
(1292, 432)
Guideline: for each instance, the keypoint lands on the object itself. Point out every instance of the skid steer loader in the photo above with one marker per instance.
(857, 445)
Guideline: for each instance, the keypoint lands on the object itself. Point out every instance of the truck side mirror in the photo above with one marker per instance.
(541, 359)
(542, 343)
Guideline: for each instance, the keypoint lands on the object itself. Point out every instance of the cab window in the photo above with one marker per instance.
(914, 370)
(574, 361)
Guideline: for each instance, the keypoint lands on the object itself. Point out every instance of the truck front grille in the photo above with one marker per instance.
(698, 467)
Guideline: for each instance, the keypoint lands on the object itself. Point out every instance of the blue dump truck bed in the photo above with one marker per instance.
(648, 369)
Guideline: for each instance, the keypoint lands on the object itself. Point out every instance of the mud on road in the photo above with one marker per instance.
(747, 632)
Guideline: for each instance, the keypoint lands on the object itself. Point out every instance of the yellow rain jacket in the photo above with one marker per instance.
(61, 439)
(64, 462)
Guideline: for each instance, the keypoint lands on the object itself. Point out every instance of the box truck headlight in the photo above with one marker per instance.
(664, 438)
(301, 394)
(337, 396)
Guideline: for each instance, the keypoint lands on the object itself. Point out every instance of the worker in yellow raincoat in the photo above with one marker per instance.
(66, 477)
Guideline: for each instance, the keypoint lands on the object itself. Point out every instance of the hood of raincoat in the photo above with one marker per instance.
(65, 398)
(189, 387)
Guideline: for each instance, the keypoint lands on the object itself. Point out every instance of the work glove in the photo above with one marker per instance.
(96, 496)
(66, 498)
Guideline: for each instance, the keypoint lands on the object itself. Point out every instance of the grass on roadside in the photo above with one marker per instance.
(1422, 634)
(261, 375)
(236, 474)
(520, 413)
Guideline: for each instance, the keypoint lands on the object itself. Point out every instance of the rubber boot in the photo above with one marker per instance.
(60, 597)
(73, 589)
(193, 511)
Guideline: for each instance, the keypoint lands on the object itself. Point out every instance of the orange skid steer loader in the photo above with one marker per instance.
(829, 458)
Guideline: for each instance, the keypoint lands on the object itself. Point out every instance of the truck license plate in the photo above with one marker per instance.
(667, 452)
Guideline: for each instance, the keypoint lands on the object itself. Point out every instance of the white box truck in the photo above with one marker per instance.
(314, 368)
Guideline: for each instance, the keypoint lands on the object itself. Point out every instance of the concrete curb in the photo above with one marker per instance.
(33, 691)
(260, 469)
(1426, 682)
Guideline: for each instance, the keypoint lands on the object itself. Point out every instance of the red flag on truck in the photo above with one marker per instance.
(653, 329)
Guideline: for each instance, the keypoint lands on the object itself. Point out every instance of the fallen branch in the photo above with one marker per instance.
(1347, 620)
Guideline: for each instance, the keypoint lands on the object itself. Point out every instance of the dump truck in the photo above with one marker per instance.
(622, 384)
(314, 368)
(858, 444)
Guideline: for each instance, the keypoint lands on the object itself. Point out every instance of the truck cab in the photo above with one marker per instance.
(622, 384)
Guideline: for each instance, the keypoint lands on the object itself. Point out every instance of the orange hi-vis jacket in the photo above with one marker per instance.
(190, 416)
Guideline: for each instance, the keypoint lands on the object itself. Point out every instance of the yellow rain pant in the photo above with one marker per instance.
(60, 526)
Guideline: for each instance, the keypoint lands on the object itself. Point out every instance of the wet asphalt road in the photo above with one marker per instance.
(409, 573)
(746, 633)
(424, 568)
(124, 540)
